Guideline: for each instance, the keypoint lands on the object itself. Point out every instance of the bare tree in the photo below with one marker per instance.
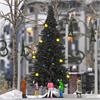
(15, 17)
(56, 7)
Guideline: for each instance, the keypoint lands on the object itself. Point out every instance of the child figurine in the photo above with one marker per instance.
(24, 88)
(36, 89)
(79, 88)
(50, 86)
(61, 88)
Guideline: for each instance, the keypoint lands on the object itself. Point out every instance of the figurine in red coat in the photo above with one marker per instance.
(23, 86)
(50, 86)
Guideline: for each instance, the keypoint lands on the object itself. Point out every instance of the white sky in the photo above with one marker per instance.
(3, 7)
(89, 1)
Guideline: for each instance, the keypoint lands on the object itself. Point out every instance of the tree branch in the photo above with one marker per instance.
(20, 1)
(10, 7)
(6, 17)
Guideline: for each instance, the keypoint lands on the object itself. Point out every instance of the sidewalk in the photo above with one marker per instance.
(83, 96)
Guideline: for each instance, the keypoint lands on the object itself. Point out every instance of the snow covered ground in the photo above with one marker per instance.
(15, 94)
(11, 94)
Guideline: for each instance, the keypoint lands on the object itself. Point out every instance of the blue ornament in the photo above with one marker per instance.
(48, 35)
(43, 65)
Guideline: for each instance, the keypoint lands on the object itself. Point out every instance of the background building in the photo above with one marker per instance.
(35, 12)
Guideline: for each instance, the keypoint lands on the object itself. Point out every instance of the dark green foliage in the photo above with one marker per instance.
(50, 51)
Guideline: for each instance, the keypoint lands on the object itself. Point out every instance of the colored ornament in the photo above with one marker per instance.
(37, 74)
(43, 65)
(61, 60)
(53, 63)
(33, 81)
(57, 39)
(49, 49)
(33, 57)
(45, 25)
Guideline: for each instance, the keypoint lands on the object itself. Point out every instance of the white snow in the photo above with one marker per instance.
(11, 94)
(16, 94)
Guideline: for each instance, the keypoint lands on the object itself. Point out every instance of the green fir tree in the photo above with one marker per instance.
(50, 56)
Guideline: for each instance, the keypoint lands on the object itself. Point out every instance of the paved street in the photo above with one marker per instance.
(55, 99)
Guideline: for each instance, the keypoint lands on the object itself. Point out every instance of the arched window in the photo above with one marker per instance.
(31, 9)
(75, 25)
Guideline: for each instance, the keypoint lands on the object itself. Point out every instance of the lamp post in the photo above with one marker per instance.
(93, 51)
(96, 67)
(93, 44)
(3, 48)
(76, 56)
(26, 52)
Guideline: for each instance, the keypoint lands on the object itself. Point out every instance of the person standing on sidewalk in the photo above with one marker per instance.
(36, 89)
(79, 87)
(23, 87)
(50, 86)
(61, 88)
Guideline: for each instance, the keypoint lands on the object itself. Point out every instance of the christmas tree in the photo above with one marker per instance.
(50, 56)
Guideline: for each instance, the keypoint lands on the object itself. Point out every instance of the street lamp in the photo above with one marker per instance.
(75, 56)
(3, 48)
(28, 52)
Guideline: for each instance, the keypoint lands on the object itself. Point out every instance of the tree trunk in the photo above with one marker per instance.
(15, 68)
(15, 27)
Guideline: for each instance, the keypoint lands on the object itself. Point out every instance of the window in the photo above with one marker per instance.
(98, 61)
(98, 44)
(31, 9)
(30, 38)
(75, 25)
(10, 45)
(2, 65)
(75, 43)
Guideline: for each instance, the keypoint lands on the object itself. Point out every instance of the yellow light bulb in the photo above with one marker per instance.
(57, 39)
(33, 57)
(29, 29)
(45, 25)
(61, 60)
(68, 76)
(40, 41)
(37, 74)
(33, 52)
(70, 39)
